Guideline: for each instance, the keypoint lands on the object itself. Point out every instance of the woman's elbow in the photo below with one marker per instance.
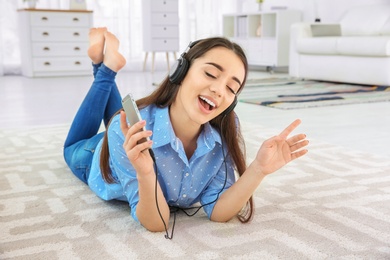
(220, 218)
(154, 227)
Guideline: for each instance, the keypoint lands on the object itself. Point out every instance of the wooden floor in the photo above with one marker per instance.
(27, 102)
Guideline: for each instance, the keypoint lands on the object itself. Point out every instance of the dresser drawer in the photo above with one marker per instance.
(62, 19)
(43, 49)
(165, 18)
(165, 31)
(59, 34)
(171, 44)
(165, 5)
(61, 64)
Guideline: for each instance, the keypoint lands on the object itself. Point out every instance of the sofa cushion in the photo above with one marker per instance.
(372, 46)
(317, 45)
(365, 19)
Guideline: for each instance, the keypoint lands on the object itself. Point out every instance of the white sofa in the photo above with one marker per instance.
(360, 55)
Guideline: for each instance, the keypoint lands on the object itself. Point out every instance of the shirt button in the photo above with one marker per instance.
(187, 174)
(184, 195)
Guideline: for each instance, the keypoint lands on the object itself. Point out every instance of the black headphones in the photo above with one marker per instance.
(180, 68)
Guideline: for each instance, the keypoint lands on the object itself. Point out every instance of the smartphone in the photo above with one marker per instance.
(132, 113)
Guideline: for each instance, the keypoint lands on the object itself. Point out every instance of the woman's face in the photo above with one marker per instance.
(210, 85)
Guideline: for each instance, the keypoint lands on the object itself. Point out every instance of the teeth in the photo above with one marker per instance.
(208, 101)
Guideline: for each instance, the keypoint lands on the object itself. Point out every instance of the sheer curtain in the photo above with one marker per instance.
(203, 18)
(198, 19)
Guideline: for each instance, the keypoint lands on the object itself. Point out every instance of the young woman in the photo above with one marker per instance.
(194, 136)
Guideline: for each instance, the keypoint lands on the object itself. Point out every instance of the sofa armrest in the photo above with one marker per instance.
(300, 30)
(307, 30)
(297, 31)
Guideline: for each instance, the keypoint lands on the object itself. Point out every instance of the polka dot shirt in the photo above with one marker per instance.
(184, 182)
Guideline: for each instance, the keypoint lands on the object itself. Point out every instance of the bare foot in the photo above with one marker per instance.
(96, 44)
(112, 58)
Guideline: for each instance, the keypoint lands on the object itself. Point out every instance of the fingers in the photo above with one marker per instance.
(123, 122)
(296, 142)
(140, 137)
(299, 145)
(136, 139)
(286, 132)
(136, 146)
(298, 154)
(296, 138)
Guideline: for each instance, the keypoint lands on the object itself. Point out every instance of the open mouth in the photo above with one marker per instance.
(206, 103)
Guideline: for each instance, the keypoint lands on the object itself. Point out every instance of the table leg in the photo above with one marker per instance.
(153, 55)
(145, 60)
(167, 54)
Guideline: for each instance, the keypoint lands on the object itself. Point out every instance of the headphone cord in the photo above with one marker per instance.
(173, 209)
(167, 236)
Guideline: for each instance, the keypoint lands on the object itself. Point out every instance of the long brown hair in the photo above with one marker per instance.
(227, 125)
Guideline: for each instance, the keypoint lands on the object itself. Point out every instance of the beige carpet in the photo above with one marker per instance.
(332, 204)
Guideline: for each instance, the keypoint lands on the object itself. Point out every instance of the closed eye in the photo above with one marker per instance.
(231, 90)
(214, 77)
(210, 75)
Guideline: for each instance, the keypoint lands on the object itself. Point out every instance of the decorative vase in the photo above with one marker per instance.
(258, 30)
(260, 6)
(32, 4)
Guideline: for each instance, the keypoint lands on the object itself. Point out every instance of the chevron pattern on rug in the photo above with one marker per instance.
(332, 204)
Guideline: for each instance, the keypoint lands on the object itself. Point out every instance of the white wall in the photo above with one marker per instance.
(327, 10)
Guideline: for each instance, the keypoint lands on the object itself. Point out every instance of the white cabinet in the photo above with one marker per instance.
(54, 42)
(264, 36)
(160, 24)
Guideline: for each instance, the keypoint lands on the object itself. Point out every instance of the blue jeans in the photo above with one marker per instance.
(102, 101)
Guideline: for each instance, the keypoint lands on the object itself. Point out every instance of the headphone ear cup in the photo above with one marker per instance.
(231, 107)
(178, 71)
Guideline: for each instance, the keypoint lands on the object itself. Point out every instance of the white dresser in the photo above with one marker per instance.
(54, 42)
(160, 27)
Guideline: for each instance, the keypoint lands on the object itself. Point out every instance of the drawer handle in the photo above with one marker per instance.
(47, 63)
(44, 18)
(46, 48)
(75, 19)
(45, 34)
(76, 48)
(77, 63)
(76, 34)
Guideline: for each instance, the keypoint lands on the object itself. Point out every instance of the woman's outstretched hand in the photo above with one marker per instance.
(136, 151)
(279, 150)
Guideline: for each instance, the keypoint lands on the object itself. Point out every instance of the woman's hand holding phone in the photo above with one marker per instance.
(137, 151)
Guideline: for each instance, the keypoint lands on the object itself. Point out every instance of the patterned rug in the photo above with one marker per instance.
(331, 204)
(285, 93)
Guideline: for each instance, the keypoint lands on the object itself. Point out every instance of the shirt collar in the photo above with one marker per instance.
(163, 132)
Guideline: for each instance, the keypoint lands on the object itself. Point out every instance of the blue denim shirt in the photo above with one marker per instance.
(183, 182)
